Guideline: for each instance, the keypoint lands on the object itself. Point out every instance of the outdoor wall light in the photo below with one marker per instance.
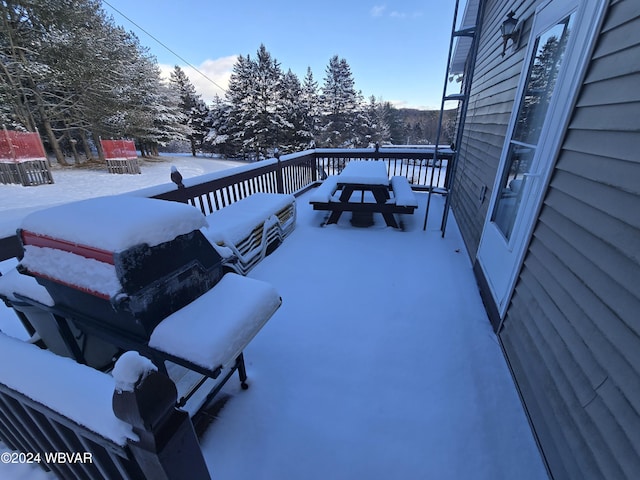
(510, 30)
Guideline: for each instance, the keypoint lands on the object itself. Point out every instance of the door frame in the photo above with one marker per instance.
(555, 127)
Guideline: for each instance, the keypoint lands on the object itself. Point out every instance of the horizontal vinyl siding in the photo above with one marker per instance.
(493, 91)
(572, 331)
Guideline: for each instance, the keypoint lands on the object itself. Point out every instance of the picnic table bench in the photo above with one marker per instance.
(364, 188)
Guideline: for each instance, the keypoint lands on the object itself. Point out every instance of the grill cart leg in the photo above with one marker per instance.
(242, 371)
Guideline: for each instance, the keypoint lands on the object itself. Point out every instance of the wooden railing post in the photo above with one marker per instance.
(279, 175)
(314, 167)
(168, 447)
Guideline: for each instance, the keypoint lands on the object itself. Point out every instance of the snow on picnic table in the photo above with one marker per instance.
(380, 363)
(364, 173)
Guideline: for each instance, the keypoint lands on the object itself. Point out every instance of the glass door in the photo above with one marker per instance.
(557, 54)
(548, 53)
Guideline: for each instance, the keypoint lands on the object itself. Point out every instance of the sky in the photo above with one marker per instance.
(397, 51)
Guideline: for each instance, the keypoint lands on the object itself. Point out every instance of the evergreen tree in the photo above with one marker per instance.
(193, 108)
(239, 113)
(255, 95)
(217, 138)
(417, 135)
(150, 109)
(374, 127)
(392, 119)
(310, 107)
(340, 104)
(43, 46)
(294, 136)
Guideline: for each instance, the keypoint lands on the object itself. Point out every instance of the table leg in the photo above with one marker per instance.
(334, 217)
(381, 194)
(390, 220)
(347, 191)
(345, 196)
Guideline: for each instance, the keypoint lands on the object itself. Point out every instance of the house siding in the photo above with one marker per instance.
(491, 100)
(572, 331)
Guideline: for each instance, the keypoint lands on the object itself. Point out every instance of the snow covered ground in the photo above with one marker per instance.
(77, 183)
(380, 363)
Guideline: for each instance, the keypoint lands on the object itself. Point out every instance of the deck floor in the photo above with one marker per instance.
(381, 363)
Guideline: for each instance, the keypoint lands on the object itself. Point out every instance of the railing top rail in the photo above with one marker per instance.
(204, 184)
(26, 384)
(384, 153)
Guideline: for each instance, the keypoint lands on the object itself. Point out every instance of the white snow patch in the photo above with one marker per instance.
(130, 369)
(364, 173)
(323, 193)
(72, 269)
(116, 223)
(213, 330)
(233, 223)
(76, 391)
(404, 196)
(14, 282)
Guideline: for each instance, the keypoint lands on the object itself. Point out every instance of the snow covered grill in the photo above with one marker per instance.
(126, 261)
(248, 230)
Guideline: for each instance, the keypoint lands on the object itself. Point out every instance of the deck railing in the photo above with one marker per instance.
(36, 433)
(28, 426)
(293, 174)
(134, 432)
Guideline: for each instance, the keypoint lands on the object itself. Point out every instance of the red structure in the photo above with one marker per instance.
(23, 159)
(121, 156)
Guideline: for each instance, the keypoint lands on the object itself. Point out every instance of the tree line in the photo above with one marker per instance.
(266, 108)
(70, 73)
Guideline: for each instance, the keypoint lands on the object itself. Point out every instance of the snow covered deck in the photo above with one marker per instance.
(380, 363)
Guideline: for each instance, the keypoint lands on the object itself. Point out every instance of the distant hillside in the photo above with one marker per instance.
(421, 126)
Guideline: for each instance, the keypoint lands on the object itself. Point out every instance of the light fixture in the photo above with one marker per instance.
(510, 30)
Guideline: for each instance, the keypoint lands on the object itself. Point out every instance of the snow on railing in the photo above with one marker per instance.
(292, 174)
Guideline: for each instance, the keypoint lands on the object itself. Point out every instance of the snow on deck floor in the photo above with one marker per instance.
(381, 363)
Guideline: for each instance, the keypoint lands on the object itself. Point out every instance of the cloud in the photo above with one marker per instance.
(216, 70)
(381, 11)
(413, 105)
(378, 10)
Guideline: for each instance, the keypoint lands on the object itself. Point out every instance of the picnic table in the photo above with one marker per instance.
(364, 188)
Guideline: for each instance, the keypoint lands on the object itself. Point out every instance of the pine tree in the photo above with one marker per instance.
(151, 111)
(255, 95)
(310, 107)
(374, 127)
(193, 108)
(392, 119)
(340, 105)
(217, 137)
(294, 135)
(42, 45)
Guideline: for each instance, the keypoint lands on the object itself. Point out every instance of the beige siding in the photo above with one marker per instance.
(572, 332)
(493, 91)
